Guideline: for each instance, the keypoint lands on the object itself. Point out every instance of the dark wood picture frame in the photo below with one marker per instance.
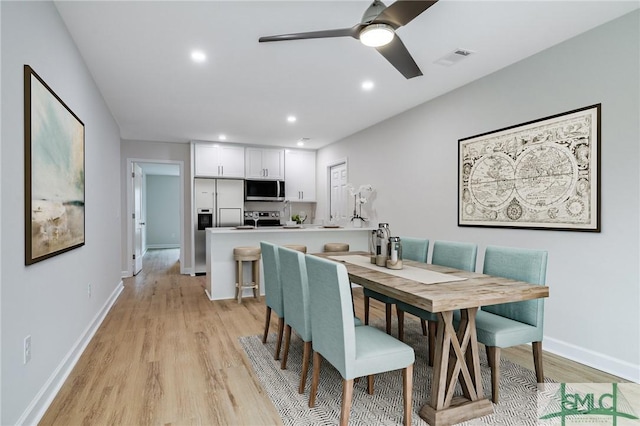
(54, 164)
(542, 174)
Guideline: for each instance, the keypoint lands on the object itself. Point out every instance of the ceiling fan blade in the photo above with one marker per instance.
(403, 11)
(342, 32)
(398, 55)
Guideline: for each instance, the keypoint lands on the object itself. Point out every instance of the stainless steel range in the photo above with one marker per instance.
(265, 218)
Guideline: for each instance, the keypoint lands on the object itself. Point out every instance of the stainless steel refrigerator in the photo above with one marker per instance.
(218, 203)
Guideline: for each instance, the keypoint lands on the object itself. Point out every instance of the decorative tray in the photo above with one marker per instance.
(245, 227)
(291, 226)
(331, 226)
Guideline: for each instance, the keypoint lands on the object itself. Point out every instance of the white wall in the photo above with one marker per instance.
(592, 314)
(162, 216)
(49, 300)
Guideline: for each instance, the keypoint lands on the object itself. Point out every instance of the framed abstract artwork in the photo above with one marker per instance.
(54, 172)
(543, 174)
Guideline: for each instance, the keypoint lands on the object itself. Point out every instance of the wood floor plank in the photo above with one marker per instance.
(166, 354)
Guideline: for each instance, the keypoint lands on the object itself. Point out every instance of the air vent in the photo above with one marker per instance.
(454, 57)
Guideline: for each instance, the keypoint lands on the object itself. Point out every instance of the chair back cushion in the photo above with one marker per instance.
(455, 255)
(415, 248)
(295, 291)
(522, 265)
(332, 324)
(271, 274)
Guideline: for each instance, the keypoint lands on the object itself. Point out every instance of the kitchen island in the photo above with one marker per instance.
(221, 276)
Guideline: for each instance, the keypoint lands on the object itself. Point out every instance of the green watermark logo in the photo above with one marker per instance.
(587, 403)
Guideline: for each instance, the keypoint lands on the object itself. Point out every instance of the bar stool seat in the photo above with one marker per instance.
(247, 254)
(335, 247)
(298, 247)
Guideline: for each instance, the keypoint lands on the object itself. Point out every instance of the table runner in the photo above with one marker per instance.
(409, 272)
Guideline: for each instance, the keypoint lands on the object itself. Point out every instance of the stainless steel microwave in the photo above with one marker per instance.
(263, 190)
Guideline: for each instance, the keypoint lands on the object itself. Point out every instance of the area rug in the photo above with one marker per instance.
(518, 388)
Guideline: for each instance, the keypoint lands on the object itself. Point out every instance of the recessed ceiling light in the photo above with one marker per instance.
(198, 56)
(367, 85)
(222, 137)
(300, 143)
(291, 119)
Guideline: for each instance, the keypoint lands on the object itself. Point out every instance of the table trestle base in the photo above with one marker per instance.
(460, 410)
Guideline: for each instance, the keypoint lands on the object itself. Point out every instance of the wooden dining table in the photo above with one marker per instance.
(456, 353)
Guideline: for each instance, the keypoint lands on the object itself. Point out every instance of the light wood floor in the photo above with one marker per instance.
(165, 354)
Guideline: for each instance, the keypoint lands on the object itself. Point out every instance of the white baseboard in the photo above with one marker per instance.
(125, 274)
(39, 405)
(208, 295)
(161, 246)
(606, 363)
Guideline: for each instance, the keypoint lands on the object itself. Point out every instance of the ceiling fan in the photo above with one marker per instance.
(376, 29)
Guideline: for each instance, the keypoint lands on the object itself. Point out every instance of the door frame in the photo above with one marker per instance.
(331, 164)
(129, 212)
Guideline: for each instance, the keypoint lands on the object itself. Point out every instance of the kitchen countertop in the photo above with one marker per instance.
(270, 229)
(220, 242)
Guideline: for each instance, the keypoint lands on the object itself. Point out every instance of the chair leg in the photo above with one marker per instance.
(387, 311)
(366, 310)
(347, 394)
(493, 354)
(400, 314)
(433, 332)
(267, 321)
(370, 380)
(407, 386)
(239, 279)
(306, 354)
(423, 323)
(287, 340)
(537, 360)
(315, 377)
(255, 266)
(279, 342)
(489, 360)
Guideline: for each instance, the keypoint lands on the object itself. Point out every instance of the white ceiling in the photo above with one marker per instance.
(139, 55)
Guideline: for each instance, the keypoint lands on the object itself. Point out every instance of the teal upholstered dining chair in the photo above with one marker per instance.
(445, 253)
(516, 323)
(272, 291)
(295, 291)
(353, 351)
(412, 249)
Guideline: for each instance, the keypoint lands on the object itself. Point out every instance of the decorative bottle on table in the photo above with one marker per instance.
(395, 253)
(383, 235)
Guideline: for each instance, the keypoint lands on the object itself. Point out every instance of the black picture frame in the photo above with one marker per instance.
(54, 179)
(542, 174)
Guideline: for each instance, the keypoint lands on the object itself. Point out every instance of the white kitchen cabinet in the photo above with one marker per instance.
(264, 163)
(300, 175)
(218, 160)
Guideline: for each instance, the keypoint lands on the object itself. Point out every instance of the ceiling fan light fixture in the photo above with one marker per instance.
(376, 35)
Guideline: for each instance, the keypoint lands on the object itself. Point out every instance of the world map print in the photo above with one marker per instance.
(538, 175)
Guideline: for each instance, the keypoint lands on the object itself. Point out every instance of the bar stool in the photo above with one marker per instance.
(297, 247)
(334, 247)
(247, 254)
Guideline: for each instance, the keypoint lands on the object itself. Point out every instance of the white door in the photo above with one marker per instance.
(338, 196)
(138, 223)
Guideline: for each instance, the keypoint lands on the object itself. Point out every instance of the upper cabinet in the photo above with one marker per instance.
(218, 160)
(300, 175)
(264, 163)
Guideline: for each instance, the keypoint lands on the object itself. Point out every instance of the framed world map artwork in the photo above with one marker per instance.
(543, 174)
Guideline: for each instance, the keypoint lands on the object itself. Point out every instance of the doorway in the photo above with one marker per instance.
(155, 210)
(338, 179)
